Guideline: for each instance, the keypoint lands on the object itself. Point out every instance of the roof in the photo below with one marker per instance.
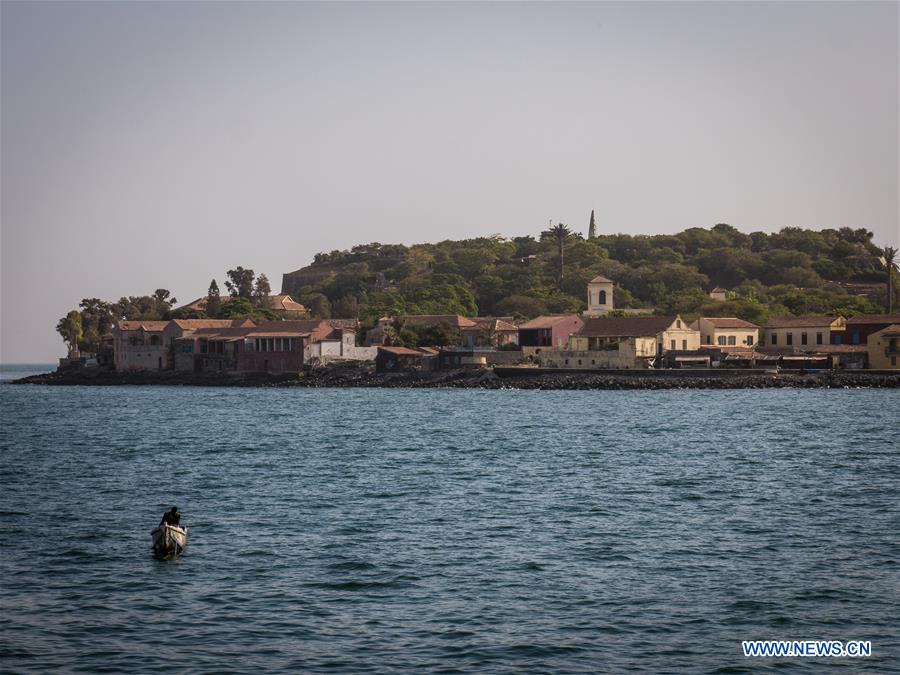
(626, 326)
(801, 322)
(196, 324)
(401, 351)
(490, 322)
(875, 318)
(887, 330)
(283, 303)
(728, 322)
(430, 319)
(152, 326)
(719, 289)
(295, 325)
(600, 279)
(276, 333)
(547, 321)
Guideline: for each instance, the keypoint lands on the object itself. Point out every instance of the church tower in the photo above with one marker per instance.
(592, 228)
(599, 297)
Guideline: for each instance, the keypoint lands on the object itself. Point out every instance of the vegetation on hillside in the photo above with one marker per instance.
(791, 272)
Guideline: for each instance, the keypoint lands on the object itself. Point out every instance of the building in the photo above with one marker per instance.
(719, 294)
(726, 332)
(599, 297)
(803, 331)
(283, 305)
(339, 345)
(883, 347)
(624, 342)
(549, 331)
(860, 327)
(384, 331)
(140, 345)
(489, 331)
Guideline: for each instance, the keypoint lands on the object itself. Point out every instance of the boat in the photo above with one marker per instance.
(169, 541)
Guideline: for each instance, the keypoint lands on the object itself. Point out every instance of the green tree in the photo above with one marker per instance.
(70, 328)
(213, 300)
(240, 282)
(889, 260)
(560, 234)
(262, 290)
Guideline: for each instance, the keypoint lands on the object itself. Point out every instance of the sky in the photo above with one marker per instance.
(157, 145)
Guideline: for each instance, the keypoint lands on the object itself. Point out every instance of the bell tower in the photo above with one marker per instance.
(599, 296)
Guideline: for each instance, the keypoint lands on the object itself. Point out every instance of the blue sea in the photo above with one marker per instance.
(450, 531)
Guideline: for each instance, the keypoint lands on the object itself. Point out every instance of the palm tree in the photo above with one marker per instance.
(559, 232)
(889, 260)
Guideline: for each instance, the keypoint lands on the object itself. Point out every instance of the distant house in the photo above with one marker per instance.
(884, 348)
(726, 332)
(624, 342)
(802, 331)
(549, 331)
(489, 331)
(283, 305)
(719, 294)
(140, 345)
(860, 327)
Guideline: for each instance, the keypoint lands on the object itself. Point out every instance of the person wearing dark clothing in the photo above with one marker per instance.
(171, 517)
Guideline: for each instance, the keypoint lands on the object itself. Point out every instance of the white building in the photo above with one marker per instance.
(599, 296)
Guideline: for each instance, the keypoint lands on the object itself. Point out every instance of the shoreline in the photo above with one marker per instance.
(346, 376)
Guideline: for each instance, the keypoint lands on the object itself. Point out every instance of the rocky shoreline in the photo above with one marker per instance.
(355, 375)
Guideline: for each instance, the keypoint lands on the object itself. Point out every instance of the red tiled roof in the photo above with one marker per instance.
(874, 318)
(626, 326)
(729, 322)
(431, 319)
(196, 324)
(283, 303)
(151, 326)
(546, 321)
(295, 325)
(801, 321)
(491, 322)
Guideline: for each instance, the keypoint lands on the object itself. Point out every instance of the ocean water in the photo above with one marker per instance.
(449, 531)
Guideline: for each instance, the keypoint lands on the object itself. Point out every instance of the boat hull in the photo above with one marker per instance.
(169, 541)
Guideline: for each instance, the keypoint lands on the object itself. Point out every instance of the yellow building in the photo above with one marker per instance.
(884, 348)
(726, 331)
(647, 336)
(803, 331)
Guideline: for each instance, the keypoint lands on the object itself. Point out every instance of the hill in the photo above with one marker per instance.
(792, 272)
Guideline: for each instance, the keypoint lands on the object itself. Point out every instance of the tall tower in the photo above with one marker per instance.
(592, 228)
(600, 296)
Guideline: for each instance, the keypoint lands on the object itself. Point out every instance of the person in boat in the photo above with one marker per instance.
(171, 517)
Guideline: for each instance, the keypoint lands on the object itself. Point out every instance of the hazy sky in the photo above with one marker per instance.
(149, 145)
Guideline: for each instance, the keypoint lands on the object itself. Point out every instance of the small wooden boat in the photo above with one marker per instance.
(169, 541)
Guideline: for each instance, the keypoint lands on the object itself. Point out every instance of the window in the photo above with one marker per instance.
(602, 297)
(774, 339)
(732, 339)
(567, 361)
(837, 339)
(678, 324)
(721, 340)
(749, 339)
(856, 337)
(818, 338)
(803, 339)
(893, 360)
(673, 345)
(790, 338)
(709, 339)
(684, 345)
